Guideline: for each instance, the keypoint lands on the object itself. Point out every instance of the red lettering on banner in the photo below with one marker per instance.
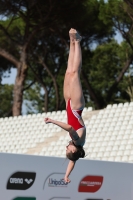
(90, 184)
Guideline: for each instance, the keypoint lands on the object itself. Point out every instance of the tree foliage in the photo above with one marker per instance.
(27, 21)
(34, 39)
(6, 97)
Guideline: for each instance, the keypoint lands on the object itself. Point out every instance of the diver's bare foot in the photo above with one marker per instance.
(74, 35)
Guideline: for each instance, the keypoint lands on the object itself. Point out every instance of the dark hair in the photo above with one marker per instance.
(80, 153)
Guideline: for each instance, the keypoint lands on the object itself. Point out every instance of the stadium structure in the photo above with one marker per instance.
(109, 134)
(33, 160)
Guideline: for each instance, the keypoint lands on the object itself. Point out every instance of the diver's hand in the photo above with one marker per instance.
(48, 120)
(66, 179)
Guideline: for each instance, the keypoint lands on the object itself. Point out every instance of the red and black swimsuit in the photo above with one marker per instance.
(73, 117)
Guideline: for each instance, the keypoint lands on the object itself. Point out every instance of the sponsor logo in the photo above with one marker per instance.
(28, 181)
(25, 198)
(21, 181)
(90, 184)
(56, 183)
(55, 180)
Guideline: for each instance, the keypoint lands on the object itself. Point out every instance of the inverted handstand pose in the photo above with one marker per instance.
(74, 104)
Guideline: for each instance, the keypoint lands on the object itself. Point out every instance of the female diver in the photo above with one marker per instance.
(75, 103)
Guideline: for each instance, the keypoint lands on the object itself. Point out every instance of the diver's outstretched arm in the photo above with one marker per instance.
(70, 167)
(64, 126)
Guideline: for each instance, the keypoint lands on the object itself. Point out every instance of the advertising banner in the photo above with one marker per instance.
(28, 177)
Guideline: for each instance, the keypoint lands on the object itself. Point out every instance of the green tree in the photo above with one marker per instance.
(27, 20)
(119, 14)
(6, 96)
(52, 50)
(5, 66)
